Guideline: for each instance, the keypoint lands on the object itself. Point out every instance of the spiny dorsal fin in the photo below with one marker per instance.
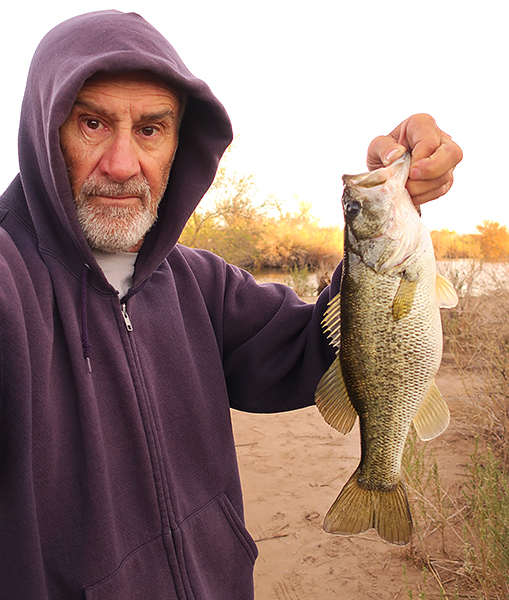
(404, 299)
(446, 294)
(332, 320)
(433, 416)
(332, 399)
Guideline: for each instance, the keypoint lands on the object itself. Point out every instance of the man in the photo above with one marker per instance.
(122, 352)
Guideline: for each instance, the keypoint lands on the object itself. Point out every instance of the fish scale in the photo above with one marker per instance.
(385, 325)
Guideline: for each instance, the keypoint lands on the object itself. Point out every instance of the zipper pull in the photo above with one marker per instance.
(127, 320)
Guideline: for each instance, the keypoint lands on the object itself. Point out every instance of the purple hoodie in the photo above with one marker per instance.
(121, 483)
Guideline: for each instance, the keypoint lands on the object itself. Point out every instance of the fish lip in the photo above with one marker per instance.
(379, 176)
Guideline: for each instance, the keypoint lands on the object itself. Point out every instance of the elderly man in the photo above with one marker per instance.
(121, 352)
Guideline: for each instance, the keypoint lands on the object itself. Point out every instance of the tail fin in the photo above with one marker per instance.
(359, 508)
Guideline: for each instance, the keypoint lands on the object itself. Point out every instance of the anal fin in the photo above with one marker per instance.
(446, 294)
(433, 415)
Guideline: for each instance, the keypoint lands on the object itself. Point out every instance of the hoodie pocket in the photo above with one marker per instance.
(143, 575)
(219, 553)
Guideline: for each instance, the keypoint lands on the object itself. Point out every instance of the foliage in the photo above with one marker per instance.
(253, 230)
(494, 241)
(228, 222)
(487, 494)
(433, 511)
(296, 239)
(450, 245)
(477, 334)
(237, 222)
(490, 243)
(473, 526)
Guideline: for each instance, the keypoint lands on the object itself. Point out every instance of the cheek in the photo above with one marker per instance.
(158, 173)
(77, 177)
(157, 182)
(80, 165)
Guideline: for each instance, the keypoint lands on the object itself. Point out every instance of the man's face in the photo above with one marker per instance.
(118, 144)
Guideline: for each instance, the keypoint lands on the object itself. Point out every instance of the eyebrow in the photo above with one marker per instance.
(156, 116)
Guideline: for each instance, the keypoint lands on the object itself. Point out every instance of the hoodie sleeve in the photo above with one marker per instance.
(275, 351)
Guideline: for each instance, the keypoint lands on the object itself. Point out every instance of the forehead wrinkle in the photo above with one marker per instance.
(158, 116)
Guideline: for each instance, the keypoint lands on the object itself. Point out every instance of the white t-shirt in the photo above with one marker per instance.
(118, 268)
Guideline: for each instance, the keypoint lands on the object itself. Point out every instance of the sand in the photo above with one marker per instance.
(292, 466)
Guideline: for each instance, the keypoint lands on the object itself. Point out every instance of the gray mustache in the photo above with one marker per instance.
(113, 189)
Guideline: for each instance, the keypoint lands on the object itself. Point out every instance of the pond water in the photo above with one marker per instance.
(473, 277)
(468, 275)
(303, 281)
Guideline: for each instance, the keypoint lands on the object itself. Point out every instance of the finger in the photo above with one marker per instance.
(434, 156)
(419, 134)
(383, 151)
(423, 186)
(423, 195)
(443, 160)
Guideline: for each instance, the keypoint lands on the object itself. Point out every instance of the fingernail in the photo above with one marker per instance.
(415, 173)
(393, 154)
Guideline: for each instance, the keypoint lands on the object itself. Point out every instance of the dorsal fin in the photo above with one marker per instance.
(332, 320)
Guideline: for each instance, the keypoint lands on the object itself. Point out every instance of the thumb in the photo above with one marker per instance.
(383, 151)
(393, 154)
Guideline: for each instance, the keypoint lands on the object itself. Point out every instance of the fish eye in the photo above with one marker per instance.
(352, 208)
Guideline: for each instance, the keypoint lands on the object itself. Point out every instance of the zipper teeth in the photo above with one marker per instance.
(149, 421)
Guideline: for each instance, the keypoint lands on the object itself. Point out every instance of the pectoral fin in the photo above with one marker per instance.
(332, 399)
(446, 294)
(404, 299)
(433, 416)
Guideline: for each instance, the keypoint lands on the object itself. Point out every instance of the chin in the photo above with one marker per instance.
(120, 230)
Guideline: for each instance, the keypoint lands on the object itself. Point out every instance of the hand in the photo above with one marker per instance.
(434, 156)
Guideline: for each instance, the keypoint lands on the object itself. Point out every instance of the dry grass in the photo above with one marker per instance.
(462, 541)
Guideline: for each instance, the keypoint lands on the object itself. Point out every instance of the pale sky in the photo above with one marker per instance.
(309, 84)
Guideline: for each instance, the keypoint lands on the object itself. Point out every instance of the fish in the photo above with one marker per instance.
(386, 328)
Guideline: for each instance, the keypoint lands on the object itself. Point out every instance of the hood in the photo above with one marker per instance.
(68, 55)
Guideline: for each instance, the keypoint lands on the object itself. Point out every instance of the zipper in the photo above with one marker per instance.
(176, 562)
(127, 320)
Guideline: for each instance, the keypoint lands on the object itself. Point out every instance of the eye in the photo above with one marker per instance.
(148, 131)
(352, 208)
(93, 124)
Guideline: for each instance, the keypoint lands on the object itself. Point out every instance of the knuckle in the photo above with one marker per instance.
(442, 190)
(424, 119)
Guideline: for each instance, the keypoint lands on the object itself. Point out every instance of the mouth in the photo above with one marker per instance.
(118, 200)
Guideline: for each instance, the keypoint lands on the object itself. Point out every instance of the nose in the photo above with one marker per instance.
(120, 160)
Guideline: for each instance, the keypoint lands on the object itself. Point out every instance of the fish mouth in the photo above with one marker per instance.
(399, 168)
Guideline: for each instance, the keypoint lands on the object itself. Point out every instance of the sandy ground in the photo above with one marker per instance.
(293, 465)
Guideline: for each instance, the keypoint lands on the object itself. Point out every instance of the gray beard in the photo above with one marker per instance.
(115, 229)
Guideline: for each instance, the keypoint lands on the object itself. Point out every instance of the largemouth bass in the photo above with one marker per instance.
(386, 326)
